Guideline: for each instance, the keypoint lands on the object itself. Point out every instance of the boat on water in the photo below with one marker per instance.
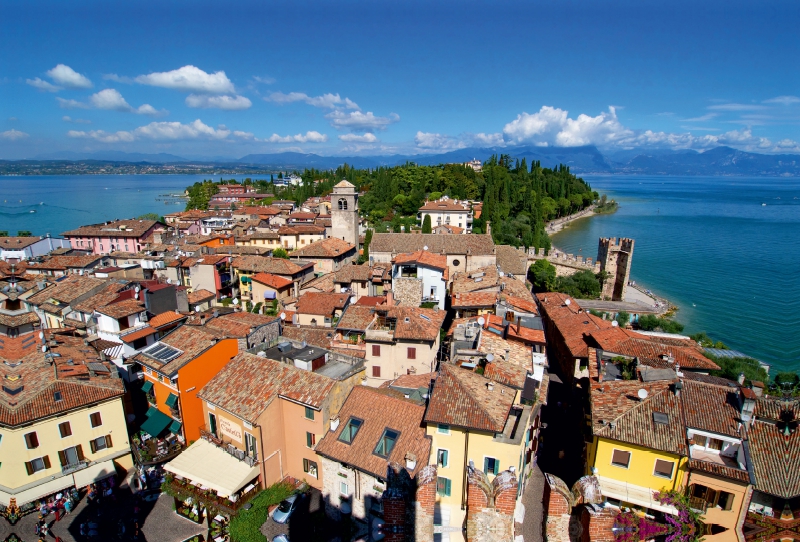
(763, 204)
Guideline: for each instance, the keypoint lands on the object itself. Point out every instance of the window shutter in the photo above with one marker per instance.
(97, 420)
(46, 460)
(62, 458)
(79, 449)
(376, 371)
(486, 465)
(108, 441)
(376, 350)
(412, 353)
(447, 487)
(93, 446)
(29, 467)
(65, 429)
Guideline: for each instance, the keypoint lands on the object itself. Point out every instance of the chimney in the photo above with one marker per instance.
(411, 461)
(389, 299)
(335, 424)
(490, 385)
(519, 321)
(741, 379)
(678, 387)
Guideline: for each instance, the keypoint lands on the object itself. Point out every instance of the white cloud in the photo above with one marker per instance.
(228, 103)
(552, 126)
(702, 118)
(329, 101)
(736, 107)
(359, 121)
(244, 135)
(41, 84)
(190, 79)
(264, 80)
(787, 144)
(439, 142)
(67, 118)
(354, 138)
(13, 135)
(117, 78)
(102, 136)
(69, 78)
(71, 104)
(783, 100)
(490, 140)
(308, 137)
(177, 130)
(147, 109)
(110, 100)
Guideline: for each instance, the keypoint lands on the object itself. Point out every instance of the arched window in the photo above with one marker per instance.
(342, 204)
(313, 321)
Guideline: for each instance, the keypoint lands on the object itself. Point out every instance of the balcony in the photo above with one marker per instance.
(208, 498)
(74, 467)
(227, 446)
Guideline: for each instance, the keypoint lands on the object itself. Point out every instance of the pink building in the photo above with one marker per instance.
(115, 236)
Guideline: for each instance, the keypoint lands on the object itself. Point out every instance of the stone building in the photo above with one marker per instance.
(344, 212)
(615, 257)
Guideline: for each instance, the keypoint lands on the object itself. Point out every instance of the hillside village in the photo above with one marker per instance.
(413, 385)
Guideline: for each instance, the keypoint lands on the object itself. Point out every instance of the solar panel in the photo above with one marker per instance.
(162, 352)
(98, 367)
(660, 417)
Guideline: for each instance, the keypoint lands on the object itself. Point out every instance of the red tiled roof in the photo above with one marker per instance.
(571, 322)
(118, 228)
(141, 333)
(199, 296)
(325, 248)
(239, 324)
(324, 304)
(415, 323)
(523, 334)
(262, 264)
(422, 257)
(649, 348)
(371, 301)
(356, 317)
(524, 305)
(165, 318)
(720, 470)
(775, 457)
(446, 206)
(190, 340)
(469, 300)
(121, 309)
(273, 281)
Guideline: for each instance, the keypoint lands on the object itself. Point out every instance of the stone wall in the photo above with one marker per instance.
(490, 506)
(557, 508)
(407, 291)
(597, 523)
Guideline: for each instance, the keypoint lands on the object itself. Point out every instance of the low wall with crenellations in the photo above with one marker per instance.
(565, 264)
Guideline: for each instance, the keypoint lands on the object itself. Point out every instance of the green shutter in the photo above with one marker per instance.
(147, 386)
(447, 487)
(486, 465)
(172, 400)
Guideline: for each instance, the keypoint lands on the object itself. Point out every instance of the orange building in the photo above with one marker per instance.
(176, 368)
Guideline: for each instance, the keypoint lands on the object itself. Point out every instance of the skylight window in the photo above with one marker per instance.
(386, 443)
(350, 430)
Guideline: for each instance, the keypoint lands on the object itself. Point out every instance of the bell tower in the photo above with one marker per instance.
(344, 212)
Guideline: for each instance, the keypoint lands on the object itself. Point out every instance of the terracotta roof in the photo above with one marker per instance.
(276, 266)
(415, 323)
(450, 229)
(302, 215)
(67, 290)
(199, 296)
(371, 301)
(356, 317)
(138, 334)
(650, 349)
(411, 381)
(301, 229)
(17, 243)
(470, 300)
(711, 408)
(62, 263)
(325, 248)
(239, 324)
(521, 304)
(513, 352)
(524, 334)
(247, 385)
(378, 411)
(117, 228)
(353, 273)
(720, 470)
(121, 309)
(448, 205)
(510, 374)
(313, 335)
(512, 260)
(165, 318)
(775, 457)
(489, 279)
(273, 281)
(190, 340)
(324, 304)
(322, 283)
(344, 184)
(462, 398)
(422, 257)
(18, 319)
(476, 245)
(570, 321)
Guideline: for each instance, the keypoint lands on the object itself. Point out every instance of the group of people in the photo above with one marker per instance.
(59, 504)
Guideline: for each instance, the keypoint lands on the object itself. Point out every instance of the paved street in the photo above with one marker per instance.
(531, 529)
(307, 523)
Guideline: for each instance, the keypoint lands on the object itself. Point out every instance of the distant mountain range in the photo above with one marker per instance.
(581, 160)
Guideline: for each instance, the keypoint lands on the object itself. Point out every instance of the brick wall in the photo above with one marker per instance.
(425, 503)
(557, 508)
(490, 506)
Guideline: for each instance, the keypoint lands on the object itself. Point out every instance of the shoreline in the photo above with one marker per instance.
(555, 226)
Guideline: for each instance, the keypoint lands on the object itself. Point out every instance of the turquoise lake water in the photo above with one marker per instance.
(708, 244)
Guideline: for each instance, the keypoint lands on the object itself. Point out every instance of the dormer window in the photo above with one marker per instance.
(386, 442)
(350, 430)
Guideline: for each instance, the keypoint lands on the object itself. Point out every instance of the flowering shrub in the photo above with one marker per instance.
(685, 527)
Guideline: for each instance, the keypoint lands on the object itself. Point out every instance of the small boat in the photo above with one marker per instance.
(31, 211)
(763, 204)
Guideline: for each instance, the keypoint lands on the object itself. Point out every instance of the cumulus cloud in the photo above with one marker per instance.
(71, 104)
(228, 103)
(491, 140)
(117, 78)
(440, 142)
(702, 118)
(189, 79)
(329, 101)
(355, 138)
(13, 135)
(160, 131)
(67, 118)
(552, 126)
(110, 100)
(264, 80)
(68, 78)
(783, 100)
(309, 137)
(41, 84)
(102, 136)
(358, 121)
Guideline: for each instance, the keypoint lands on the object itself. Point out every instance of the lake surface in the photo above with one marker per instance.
(708, 245)
(64, 202)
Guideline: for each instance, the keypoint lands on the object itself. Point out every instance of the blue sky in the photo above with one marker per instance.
(225, 79)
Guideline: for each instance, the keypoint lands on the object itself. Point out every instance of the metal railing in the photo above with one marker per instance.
(698, 503)
(227, 446)
(74, 467)
(209, 499)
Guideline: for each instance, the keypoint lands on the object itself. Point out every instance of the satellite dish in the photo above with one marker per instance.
(235, 301)
(44, 348)
(137, 289)
(353, 299)
(481, 320)
(567, 302)
(489, 357)
(283, 316)
(614, 323)
(41, 335)
(197, 308)
(425, 247)
(502, 274)
(642, 393)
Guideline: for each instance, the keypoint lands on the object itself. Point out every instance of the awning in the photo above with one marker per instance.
(244, 280)
(42, 490)
(147, 386)
(175, 428)
(638, 495)
(171, 400)
(94, 473)
(156, 422)
(204, 463)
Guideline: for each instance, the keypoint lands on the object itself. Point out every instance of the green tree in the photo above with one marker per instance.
(150, 216)
(367, 240)
(623, 318)
(280, 253)
(543, 275)
(426, 224)
(3, 233)
(24, 233)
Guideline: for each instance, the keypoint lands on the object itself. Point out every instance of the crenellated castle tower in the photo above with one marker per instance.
(615, 258)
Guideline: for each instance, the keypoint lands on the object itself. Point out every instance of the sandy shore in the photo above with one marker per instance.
(559, 224)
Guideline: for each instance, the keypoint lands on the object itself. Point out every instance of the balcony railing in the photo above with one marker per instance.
(74, 467)
(209, 499)
(698, 504)
(227, 446)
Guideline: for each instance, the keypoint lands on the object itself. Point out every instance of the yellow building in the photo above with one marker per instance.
(472, 420)
(62, 421)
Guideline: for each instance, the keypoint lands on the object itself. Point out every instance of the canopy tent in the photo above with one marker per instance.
(156, 422)
(38, 491)
(94, 473)
(211, 467)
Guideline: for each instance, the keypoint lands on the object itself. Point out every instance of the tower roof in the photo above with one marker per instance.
(344, 184)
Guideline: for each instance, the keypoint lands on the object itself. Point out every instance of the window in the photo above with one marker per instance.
(350, 430)
(57, 396)
(250, 447)
(715, 444)
(71, 456)
(386, 442)
(376, 371)
(456, 263)
(342, 204)
(443, 486)
(309, 413)
(310, 467)
(344, 490)
(212, 424)
(663, 468)
(31, 440)
(621, 458)
(376, 350)
(725, 500)
(65, 429)
(713, 497)
(412, 352)
(100, 443)
(491, 465)
(442, 457)
(311, 440)
(38, 464)
(96, 420)
(443, 429)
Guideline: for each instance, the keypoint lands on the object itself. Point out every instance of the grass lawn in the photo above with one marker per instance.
(246, 526)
